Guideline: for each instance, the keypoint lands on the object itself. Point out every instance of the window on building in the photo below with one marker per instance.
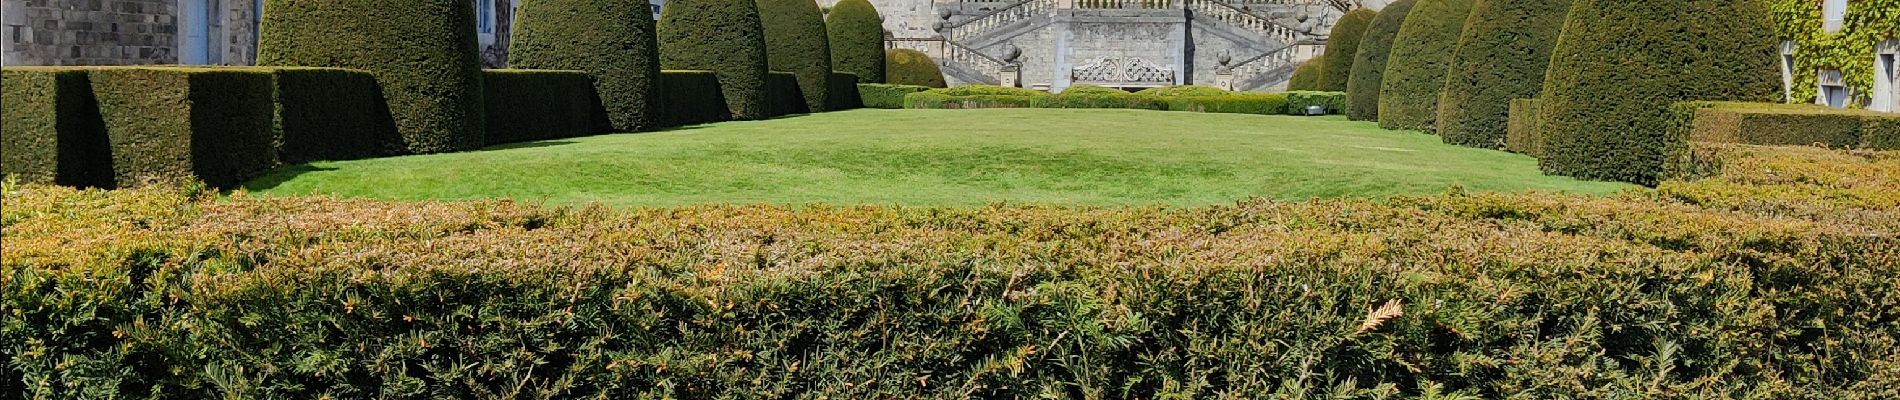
(1833, 91)
(1834, 13)
(485, 16)
(1887, 77)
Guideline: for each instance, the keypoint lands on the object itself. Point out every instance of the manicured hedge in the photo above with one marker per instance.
(1522, 136)
(332, 114)
(1342, 47)
(844, 93)
(177, 122)
(911, 67)
(722, 36)
(796, 42)
(1307, 76)
(1184, 91)
(856, 34)
(1421, 57)
(1610, 87)
(1233, 103)
(932, 99)
(1880, 132)
(1368, 65)
(1103, 98)
(611, 39)
(528, 105)
(691, 98)
(52, 131)
(1780, 124)
(1297, 101)
(880, 95)
(1502, 56)
(1771, 279)
(785, 96)
(423, 53)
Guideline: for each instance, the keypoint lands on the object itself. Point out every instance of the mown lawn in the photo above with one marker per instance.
(948, 157)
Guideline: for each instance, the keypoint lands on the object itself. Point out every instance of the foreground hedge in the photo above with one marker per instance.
(528, 105)
(691, 98)
(722, 36)
(1502, 56)
(611, 39)
(1420, 60)
(423, 53)
(1772, 279)
(1368, 65)
(879, 95)
(53, 133)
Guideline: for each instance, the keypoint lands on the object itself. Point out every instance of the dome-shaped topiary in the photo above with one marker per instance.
(1621, 65)
(722, 36)
(1421, 57)
(611, 39)
(1368, 64)
(796, 42)
(911, 67)
(422, 52)
(1306, 76)
(1501, 57)
(857, 40)
(1342, 47)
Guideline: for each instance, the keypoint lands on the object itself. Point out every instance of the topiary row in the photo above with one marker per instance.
(1342, 47)
(611, 39)
(856, 34)
(796, 42)
(1307, 76)
(1369, 62)
(1420, 59)
(725, 37)
(1502, 56)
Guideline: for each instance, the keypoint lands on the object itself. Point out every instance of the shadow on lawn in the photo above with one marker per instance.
(279, 176)
(525, 145)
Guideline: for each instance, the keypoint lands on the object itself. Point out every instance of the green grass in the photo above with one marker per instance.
(948, 157)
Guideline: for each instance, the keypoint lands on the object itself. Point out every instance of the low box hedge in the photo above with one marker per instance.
(781, 89)
(1881, 132)
(169, 122)
(1770, 124)
(881, 95)
(1232, 103)
(933, 99)
(50, 129)
(528, 105)
(1297, 101)
(691, 97)
(1521, 130)
(1099, 97)
(844, 93)
(332, 114)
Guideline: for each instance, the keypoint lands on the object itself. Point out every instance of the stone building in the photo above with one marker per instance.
(1848, 62)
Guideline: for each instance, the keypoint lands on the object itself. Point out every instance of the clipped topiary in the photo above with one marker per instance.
(857, 40)
(796, 42)
(1306, 76)
(911, 67)
(1621, 65)
(611, 39)
(1342, 47)
(722, 36)
(1501, 57)
(1368, 64)
(1421, 58)
(422, 52)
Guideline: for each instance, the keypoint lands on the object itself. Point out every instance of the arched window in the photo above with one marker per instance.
(1834, 14)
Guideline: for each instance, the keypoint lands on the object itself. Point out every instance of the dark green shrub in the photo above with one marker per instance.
(1342, 47)
(1297, 101)
(1231, 103)
(53, 133)
(844, 93)
(170, 122)
(1088, 98)
(722, 36)
(1421, 57)
(1368, 64)
(1620, 66)
(1776, 124)
(786, 98)
(938, 100)
(1307, 76)
(880, 95)
(857, 40)
(1184, 91)
(527, 105)
(911, 67)
(332, 114)
(1880, 132)
(691, 98)
(611, 39)
(796, 42)
(1093, 90)
(1522, 136)
(423, 53)
(1501, 56)
(973, 90)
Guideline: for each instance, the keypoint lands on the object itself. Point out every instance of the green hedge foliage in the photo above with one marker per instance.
(1342, 47)
(844, 93)
(1184, 91)
(332, 114)
(722, 36)
(1880, 132)
(1780, 124)
(1174, 98)
(1307, 76)
(52, 131)
(911, 67)
(213, 124)
(1099, 97)
(611, 39)
(1501, 57)
(1297, 101)
(1421, 57)
(1368, 64)
(1771, 279)
(529, 105)
(796, 42)
(785, 96)
(1232, 103)
(691, 98)
(933, 99)
(1610, 87)
(880, 95)
(423, 53)
(975, 90)
(1521, 133)
(856, 34)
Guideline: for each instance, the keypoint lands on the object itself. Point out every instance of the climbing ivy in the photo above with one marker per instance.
(1851, 50)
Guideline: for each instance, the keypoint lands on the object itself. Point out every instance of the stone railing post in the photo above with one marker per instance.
(1224, 78)
(1010, 76)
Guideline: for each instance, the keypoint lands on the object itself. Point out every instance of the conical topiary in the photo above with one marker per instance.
(722, 36)
(1368, 64)
(796, 42)
(1342, 47)
(857, 40)
(611, 39)
(1501, 57)
(1421, 57)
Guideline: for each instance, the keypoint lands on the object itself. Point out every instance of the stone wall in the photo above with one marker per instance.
(88, 32)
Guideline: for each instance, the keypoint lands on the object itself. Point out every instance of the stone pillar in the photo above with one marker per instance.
(1224, 78)
(1010, 76)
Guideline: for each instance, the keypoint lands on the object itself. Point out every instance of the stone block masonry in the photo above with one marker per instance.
(125, 32)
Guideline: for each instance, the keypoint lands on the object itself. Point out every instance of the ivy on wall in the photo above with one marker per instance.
(1850, 50)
